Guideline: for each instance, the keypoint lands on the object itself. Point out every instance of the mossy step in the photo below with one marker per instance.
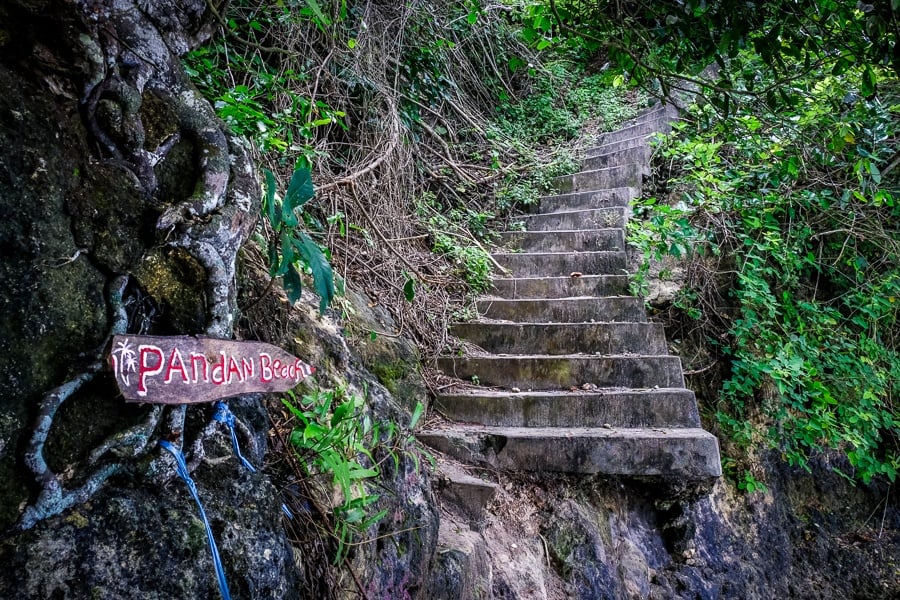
(639, 141)
(664, 407)
(689, 455)
(592, 218)
(564, 372)
(621, 196)
(564, 338)
(625, 175)
(530, 264)
(559, 287)
(610, 309)
(572, 240)
(661, 123)
(638, 154)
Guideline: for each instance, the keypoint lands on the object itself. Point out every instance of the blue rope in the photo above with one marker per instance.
(181, 468)
(224, 415)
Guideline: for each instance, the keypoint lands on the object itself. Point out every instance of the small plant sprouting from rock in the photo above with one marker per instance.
(335, 437)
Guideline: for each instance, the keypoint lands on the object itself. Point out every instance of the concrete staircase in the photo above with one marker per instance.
(573, 378)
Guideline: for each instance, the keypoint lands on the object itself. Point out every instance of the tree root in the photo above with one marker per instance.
(130, 51)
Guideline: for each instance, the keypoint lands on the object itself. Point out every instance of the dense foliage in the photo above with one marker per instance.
(794, 220)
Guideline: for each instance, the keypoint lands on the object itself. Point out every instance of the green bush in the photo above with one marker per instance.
(802, 203)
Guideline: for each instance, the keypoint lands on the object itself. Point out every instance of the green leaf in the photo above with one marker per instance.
(409, 289)
(417, 414)
(300, 190)
(320, 16)
(341, 412)
(323, 277)
(269, 201)
(868, 82)
(293, 286)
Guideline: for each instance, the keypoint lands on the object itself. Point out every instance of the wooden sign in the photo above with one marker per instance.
(184, 369)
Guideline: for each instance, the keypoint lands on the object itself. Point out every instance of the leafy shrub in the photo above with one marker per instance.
(801, 202)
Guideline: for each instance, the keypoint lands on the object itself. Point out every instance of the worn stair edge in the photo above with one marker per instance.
(639, 154)
(605, 309)
(664, 407)
(613, 147)
(564, 240)
(590, 218)
(564, 338)
(627, 175)
(534, 264)
(471, 494)
(548, 288)
(691, 454)
(653, 112)
(601, 198)
(663, 124)
(565, 371)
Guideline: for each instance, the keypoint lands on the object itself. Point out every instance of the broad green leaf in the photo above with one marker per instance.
(417, 414)
(317, 11)
(293, 286)
(323, 277)
(300, 190)
(269, 201)
(869, 82)
(409, 289)
(341, 412)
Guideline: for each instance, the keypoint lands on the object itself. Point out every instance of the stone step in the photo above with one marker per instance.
(532, 264)
(627, 175)
(638, 154)
(573, 240)
(606, 309)
(586, 200)
(656, 113)
(662, 124)
(471, 494)
(690, 455)
(564, 338)
(664, 407)
(542, 372)
(614, 147)
(559, 287)
(593, 218)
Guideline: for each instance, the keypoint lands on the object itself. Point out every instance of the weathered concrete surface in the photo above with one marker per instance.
(577, 240)
(678, 453)
(638, 154)
(565, 310)
(622, 175)
(542, 372)
(462, 566)
(586, 200)
(594, 218)
(560, 287)
(673, 407)
(468, 493)
(639, 141)
(564, 338)
(530, 264)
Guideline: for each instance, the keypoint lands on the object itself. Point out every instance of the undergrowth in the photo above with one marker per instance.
(790, 221)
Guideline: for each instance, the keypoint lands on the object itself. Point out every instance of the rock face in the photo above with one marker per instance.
(125, 202)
